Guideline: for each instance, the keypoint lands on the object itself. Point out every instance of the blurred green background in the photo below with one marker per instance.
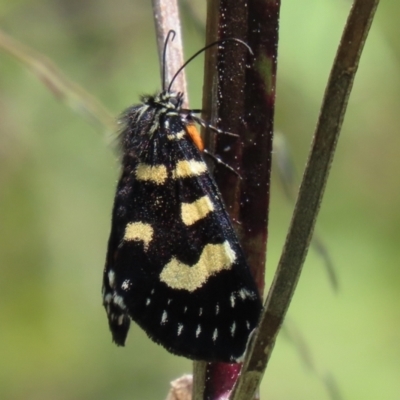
(57, 180)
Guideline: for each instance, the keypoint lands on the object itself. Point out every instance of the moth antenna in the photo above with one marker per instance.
(170, 37)
(204, 49)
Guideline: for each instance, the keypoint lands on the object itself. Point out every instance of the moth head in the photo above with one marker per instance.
(167, 100)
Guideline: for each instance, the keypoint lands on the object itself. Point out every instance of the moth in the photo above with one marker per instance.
(174, 264)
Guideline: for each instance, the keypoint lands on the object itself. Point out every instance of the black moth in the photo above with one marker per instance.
(174, 264)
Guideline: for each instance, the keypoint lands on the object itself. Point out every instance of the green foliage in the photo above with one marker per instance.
(57, 179)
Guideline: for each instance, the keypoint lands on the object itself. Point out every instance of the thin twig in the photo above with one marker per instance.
(310, 196)
(166, 17)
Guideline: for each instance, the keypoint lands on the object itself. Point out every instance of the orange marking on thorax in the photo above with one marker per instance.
(195, 135)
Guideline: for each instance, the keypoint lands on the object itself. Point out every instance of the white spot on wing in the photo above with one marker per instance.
(126, 284)
(198, 330)
(108, 298)
(148, 301)
(180, 328)
(215, 335)
(233, 328)
(200, 311)
(164, 318)
(119, 301)
(244, 293)
(217, 309)
(232, 298)
(111, 278)
(248, 324)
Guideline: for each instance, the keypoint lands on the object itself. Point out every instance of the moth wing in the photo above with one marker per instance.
(174, 263)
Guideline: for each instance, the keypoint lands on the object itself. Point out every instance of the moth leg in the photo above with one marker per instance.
(219, 161)
(205, 124)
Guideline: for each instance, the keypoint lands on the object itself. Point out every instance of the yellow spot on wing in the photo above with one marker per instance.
(214, 258)
(139, 231)
(185, 168)
(154, 173)
(193, 212)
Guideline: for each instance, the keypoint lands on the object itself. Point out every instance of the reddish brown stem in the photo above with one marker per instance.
(239, 97)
